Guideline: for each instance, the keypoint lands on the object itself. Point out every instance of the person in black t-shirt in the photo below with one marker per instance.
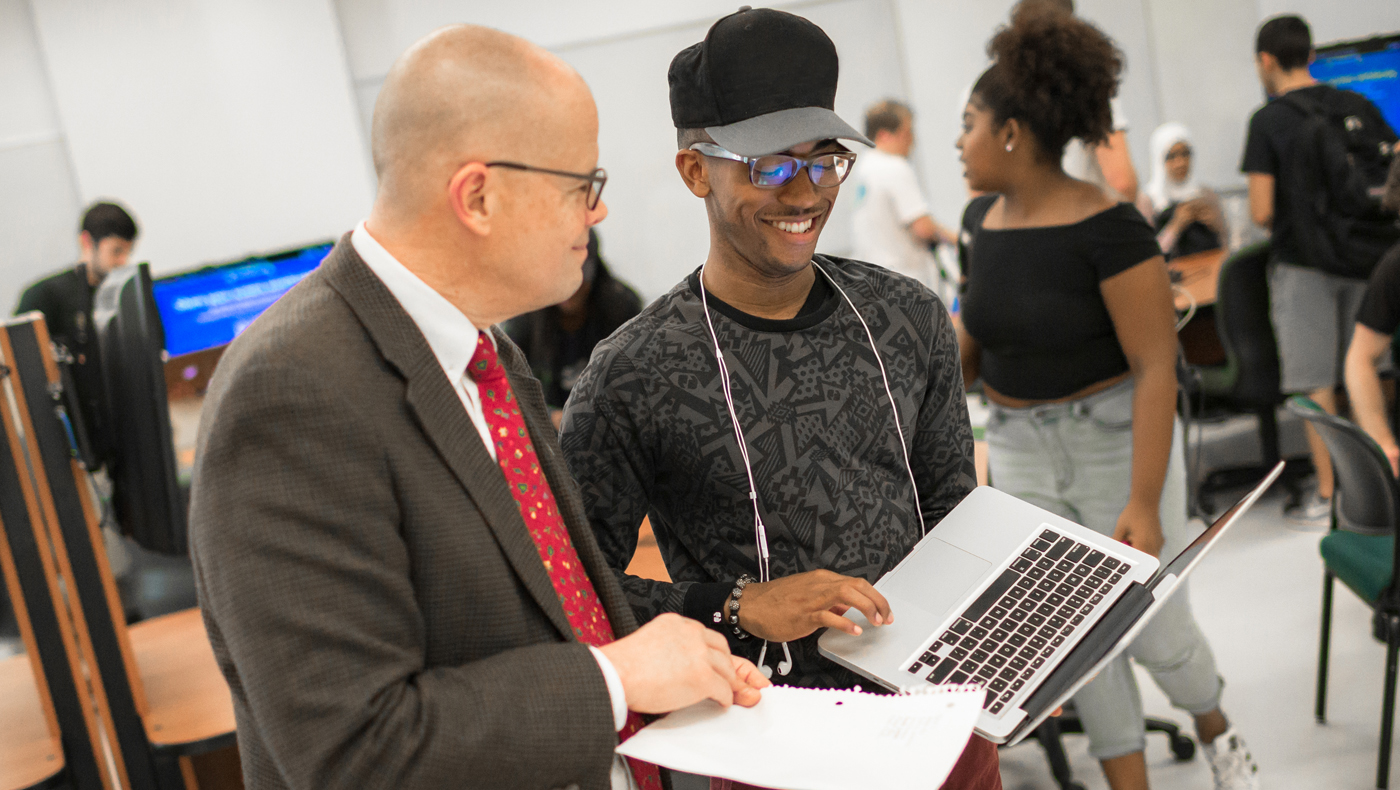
(106, 239)
(1376, 324)
(1068, 322)
(1313, 311)
(558, 340)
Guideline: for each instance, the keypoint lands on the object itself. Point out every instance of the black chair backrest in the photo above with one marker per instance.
(1242, 318)
(27, 564)
(1368, 495)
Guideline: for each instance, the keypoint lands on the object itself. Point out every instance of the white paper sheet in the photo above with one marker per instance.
(807, 739)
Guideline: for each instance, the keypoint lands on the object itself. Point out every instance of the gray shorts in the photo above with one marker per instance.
(1313, 314)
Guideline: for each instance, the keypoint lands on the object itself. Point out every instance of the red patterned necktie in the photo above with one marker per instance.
(516, 455)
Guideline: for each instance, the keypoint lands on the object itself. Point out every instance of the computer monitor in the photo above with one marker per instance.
(209, 307)
(140, 452)
(1369, 66)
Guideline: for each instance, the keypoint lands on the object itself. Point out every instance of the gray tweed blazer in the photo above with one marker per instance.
(370, 590)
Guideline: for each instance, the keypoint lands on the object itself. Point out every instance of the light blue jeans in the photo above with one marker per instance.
(1075, 459)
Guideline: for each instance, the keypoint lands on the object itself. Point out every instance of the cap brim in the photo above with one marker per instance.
(779, 131)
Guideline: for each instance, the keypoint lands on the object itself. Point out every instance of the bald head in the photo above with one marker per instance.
(467, 93)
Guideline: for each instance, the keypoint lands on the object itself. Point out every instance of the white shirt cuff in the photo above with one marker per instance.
(615, 690)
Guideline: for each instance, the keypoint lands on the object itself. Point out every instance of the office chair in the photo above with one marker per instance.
(1249, 379)
(1049, 735)
(1360, 550)
(165, 696)
(48, 729)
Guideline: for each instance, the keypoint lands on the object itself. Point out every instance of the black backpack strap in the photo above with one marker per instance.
(1306, 106)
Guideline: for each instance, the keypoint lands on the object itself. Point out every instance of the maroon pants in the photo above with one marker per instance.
(977, 769)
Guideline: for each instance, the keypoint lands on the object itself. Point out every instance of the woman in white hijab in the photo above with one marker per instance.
(1187, 215)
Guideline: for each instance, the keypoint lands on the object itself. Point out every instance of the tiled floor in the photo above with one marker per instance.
(1258, 600)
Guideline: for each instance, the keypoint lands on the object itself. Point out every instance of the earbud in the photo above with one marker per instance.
(785, 666)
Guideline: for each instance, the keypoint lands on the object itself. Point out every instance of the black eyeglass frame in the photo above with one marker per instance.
(596, 180)
(719, 152)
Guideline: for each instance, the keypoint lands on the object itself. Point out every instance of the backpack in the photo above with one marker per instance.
(1334, 173)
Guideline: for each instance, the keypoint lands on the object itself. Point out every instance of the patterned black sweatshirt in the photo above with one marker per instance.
(646, 432)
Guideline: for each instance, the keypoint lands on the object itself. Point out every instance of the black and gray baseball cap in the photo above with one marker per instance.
(761, 82)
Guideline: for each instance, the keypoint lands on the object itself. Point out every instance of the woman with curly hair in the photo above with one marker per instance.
(1068, 322)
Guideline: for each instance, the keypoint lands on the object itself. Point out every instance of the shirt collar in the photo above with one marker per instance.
(450, 335)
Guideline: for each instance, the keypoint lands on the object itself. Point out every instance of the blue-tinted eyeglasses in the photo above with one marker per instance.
(774, 170)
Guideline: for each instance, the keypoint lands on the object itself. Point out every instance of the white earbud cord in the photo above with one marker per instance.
(760, 532)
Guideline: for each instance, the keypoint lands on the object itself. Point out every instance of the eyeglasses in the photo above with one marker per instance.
(1184, 153)
(774, 170)
(596, 180)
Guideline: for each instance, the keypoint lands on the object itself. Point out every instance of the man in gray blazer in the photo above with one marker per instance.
(374, 597)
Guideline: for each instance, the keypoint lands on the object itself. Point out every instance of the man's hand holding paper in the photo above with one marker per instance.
(702, 667)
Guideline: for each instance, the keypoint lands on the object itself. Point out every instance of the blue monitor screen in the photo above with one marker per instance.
(1371, 68)
(211, 306)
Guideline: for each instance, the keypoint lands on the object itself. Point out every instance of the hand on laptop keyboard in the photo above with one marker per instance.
(1022, 620)
(792, 607)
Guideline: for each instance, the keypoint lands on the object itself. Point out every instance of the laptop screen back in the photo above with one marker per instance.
(1188, 557)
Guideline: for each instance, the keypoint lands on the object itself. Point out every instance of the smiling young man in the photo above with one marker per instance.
(650, 428)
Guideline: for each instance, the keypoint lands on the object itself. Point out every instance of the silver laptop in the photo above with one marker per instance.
(1014, 599)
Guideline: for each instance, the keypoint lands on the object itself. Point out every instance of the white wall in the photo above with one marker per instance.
(1193, 38)
(39, 204)
(229, 127)
(1336, 21)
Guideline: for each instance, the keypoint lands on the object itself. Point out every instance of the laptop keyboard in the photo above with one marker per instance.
(1022, 619)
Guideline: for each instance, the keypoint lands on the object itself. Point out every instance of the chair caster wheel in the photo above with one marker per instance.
(1183, 748)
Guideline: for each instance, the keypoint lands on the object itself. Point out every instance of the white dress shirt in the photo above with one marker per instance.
(452, 338)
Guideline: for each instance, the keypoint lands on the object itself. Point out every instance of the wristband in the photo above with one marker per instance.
(734, 596)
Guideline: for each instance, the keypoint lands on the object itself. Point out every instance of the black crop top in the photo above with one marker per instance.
(1032, 298)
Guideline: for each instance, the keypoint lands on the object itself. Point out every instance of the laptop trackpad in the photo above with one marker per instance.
(936, 578)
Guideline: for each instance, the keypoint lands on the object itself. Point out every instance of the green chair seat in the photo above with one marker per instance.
(1361, 562)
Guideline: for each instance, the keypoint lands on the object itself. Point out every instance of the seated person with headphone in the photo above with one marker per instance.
(794, 426)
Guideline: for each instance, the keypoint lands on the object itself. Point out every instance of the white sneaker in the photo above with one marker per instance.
(1231, 762)
(1312, 513)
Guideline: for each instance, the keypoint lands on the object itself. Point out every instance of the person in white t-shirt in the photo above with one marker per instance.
(893, 227)
(1109, 164)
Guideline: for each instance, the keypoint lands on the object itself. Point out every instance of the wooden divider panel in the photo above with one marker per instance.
(31, 568)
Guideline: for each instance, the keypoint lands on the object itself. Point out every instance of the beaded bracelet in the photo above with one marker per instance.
(734, 596)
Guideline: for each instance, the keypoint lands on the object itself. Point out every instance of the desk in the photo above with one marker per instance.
(647, 562)
(1200, 274)
(1199, 277)
(29, 752)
